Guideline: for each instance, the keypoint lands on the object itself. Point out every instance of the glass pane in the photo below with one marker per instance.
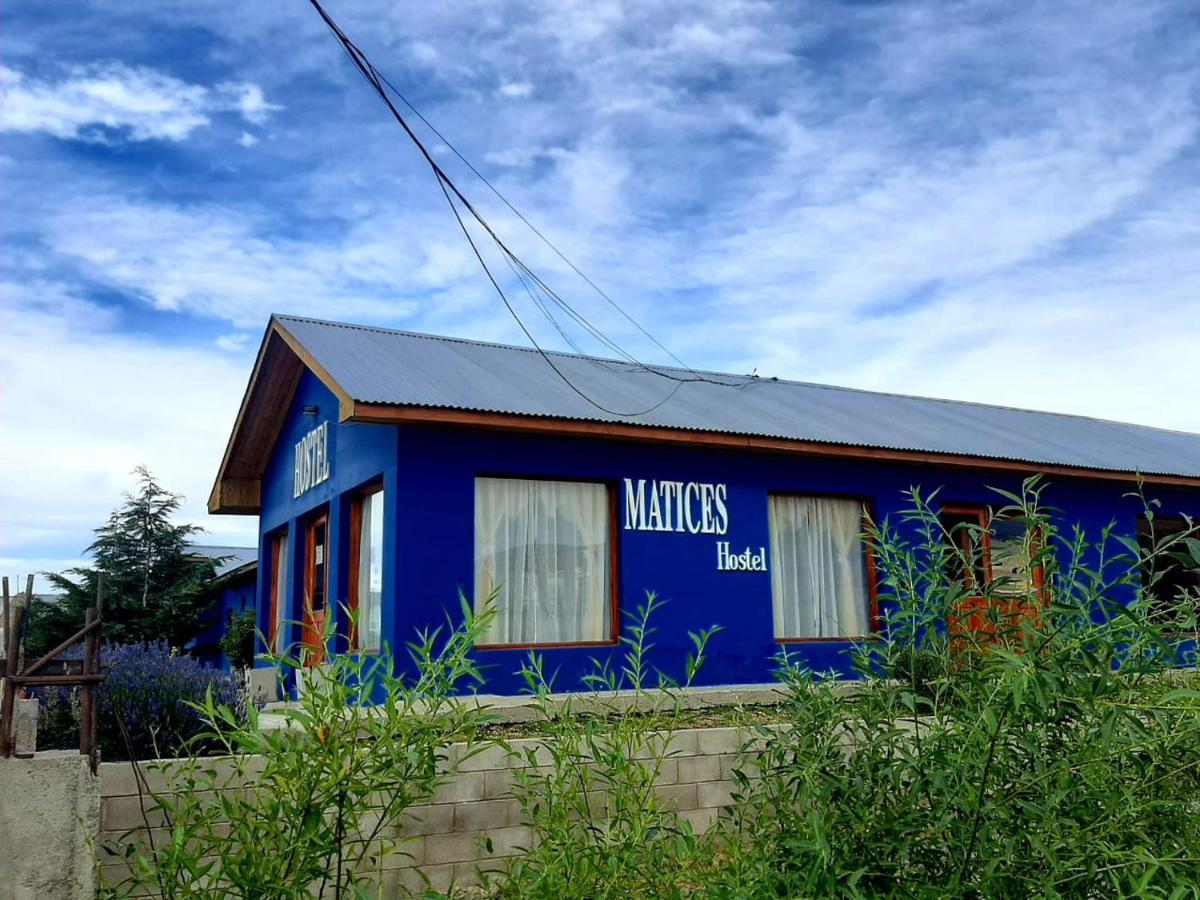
(370, 572)
(818, 568)
(542, 552)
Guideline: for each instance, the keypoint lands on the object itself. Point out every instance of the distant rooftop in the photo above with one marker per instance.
(230, 558)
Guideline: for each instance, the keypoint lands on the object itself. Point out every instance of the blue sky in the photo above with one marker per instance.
(990, 201)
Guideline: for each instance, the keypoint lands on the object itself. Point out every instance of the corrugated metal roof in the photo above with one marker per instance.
(377, 365)
(229, 559)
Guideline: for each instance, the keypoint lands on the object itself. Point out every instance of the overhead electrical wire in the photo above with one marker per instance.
(532, 283)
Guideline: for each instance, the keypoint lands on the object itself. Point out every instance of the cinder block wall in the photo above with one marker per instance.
(447, 838)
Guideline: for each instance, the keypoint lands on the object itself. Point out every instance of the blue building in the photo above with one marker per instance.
(392, 470)
(233, 590)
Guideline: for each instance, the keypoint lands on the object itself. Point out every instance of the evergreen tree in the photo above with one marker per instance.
(153, 588)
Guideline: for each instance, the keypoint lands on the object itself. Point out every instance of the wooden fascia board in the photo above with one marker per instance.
(233, 492)
(345, 402)
(395, 414)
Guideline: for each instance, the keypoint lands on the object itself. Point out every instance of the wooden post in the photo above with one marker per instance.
(93, 646)
(10, 662)
(87, 701)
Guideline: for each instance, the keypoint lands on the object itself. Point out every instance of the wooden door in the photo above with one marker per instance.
(316, 588)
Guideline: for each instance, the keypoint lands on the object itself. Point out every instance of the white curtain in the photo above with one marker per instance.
(280, 590)
(545, 546)
(818, 568)
(370, 572)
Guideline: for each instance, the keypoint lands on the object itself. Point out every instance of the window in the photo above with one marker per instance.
(992, 552)
(1168, 580)
(366, 570)
(997, 561)
(545, 548)
(819, 583)
(964, 528)
(278, 587)
(316, 584)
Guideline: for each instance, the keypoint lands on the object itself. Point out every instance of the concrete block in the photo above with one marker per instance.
(460, 787)
(509, 841)
(668, 772)
(262, 685)
(49, 821)
(450, 848)
(478, 760)
(677, 796)
(700, 819)
(428, 819)
(699, 768)
(714, 794)
(484, 815)
(715, 741)
(25, 726)
(497, 784)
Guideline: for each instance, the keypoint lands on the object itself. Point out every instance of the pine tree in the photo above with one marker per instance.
(153, 588)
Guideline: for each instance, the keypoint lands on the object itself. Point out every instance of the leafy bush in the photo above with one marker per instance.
(1058, 757)
(146, 702)
(601, 829)
(319, 800)
(237, 643)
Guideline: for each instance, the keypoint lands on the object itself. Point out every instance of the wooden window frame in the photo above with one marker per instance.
(983, 518)
(874, 621)
(310, 527)
(356, 507)
(276, 539)
(1175, 635)
(614, 624)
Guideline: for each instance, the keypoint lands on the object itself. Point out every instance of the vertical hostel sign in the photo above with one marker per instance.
(312, 460)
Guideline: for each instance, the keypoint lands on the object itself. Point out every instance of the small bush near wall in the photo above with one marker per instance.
(147, 703)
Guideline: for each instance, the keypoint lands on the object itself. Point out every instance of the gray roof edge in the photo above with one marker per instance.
(750, 379)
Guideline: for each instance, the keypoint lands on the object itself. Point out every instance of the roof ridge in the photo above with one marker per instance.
(752, 379)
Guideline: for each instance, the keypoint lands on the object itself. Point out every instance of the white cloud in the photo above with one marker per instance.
(248, 99)
(233, 343)
(91, 101)
(515, 89)
(247, 139)
(84, 404)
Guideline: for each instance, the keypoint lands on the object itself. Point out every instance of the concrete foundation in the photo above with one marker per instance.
(49, 820)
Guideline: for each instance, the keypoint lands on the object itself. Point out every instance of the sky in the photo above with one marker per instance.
(987, 201)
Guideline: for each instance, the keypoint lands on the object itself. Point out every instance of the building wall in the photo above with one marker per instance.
(233, 595)
(429, 477)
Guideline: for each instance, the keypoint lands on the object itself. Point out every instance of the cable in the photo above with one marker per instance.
(451, 192)
(445, 140)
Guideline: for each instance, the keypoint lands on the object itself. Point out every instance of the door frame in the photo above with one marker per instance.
(314, 620)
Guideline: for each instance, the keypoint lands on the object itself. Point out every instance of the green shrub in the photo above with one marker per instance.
(237, 643)
(600, 828)
(1059, 758)
(318, 802)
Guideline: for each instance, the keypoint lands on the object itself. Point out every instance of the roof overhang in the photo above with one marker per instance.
(282, 359)
(277, 369)
(418, 415)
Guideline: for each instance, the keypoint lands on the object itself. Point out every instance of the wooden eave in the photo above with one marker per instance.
(280, 363)
(397, 414)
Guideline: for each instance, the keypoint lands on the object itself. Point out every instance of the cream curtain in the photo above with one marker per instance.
(370, 572)
(280, 589)
(545, 546)
(818, 568)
